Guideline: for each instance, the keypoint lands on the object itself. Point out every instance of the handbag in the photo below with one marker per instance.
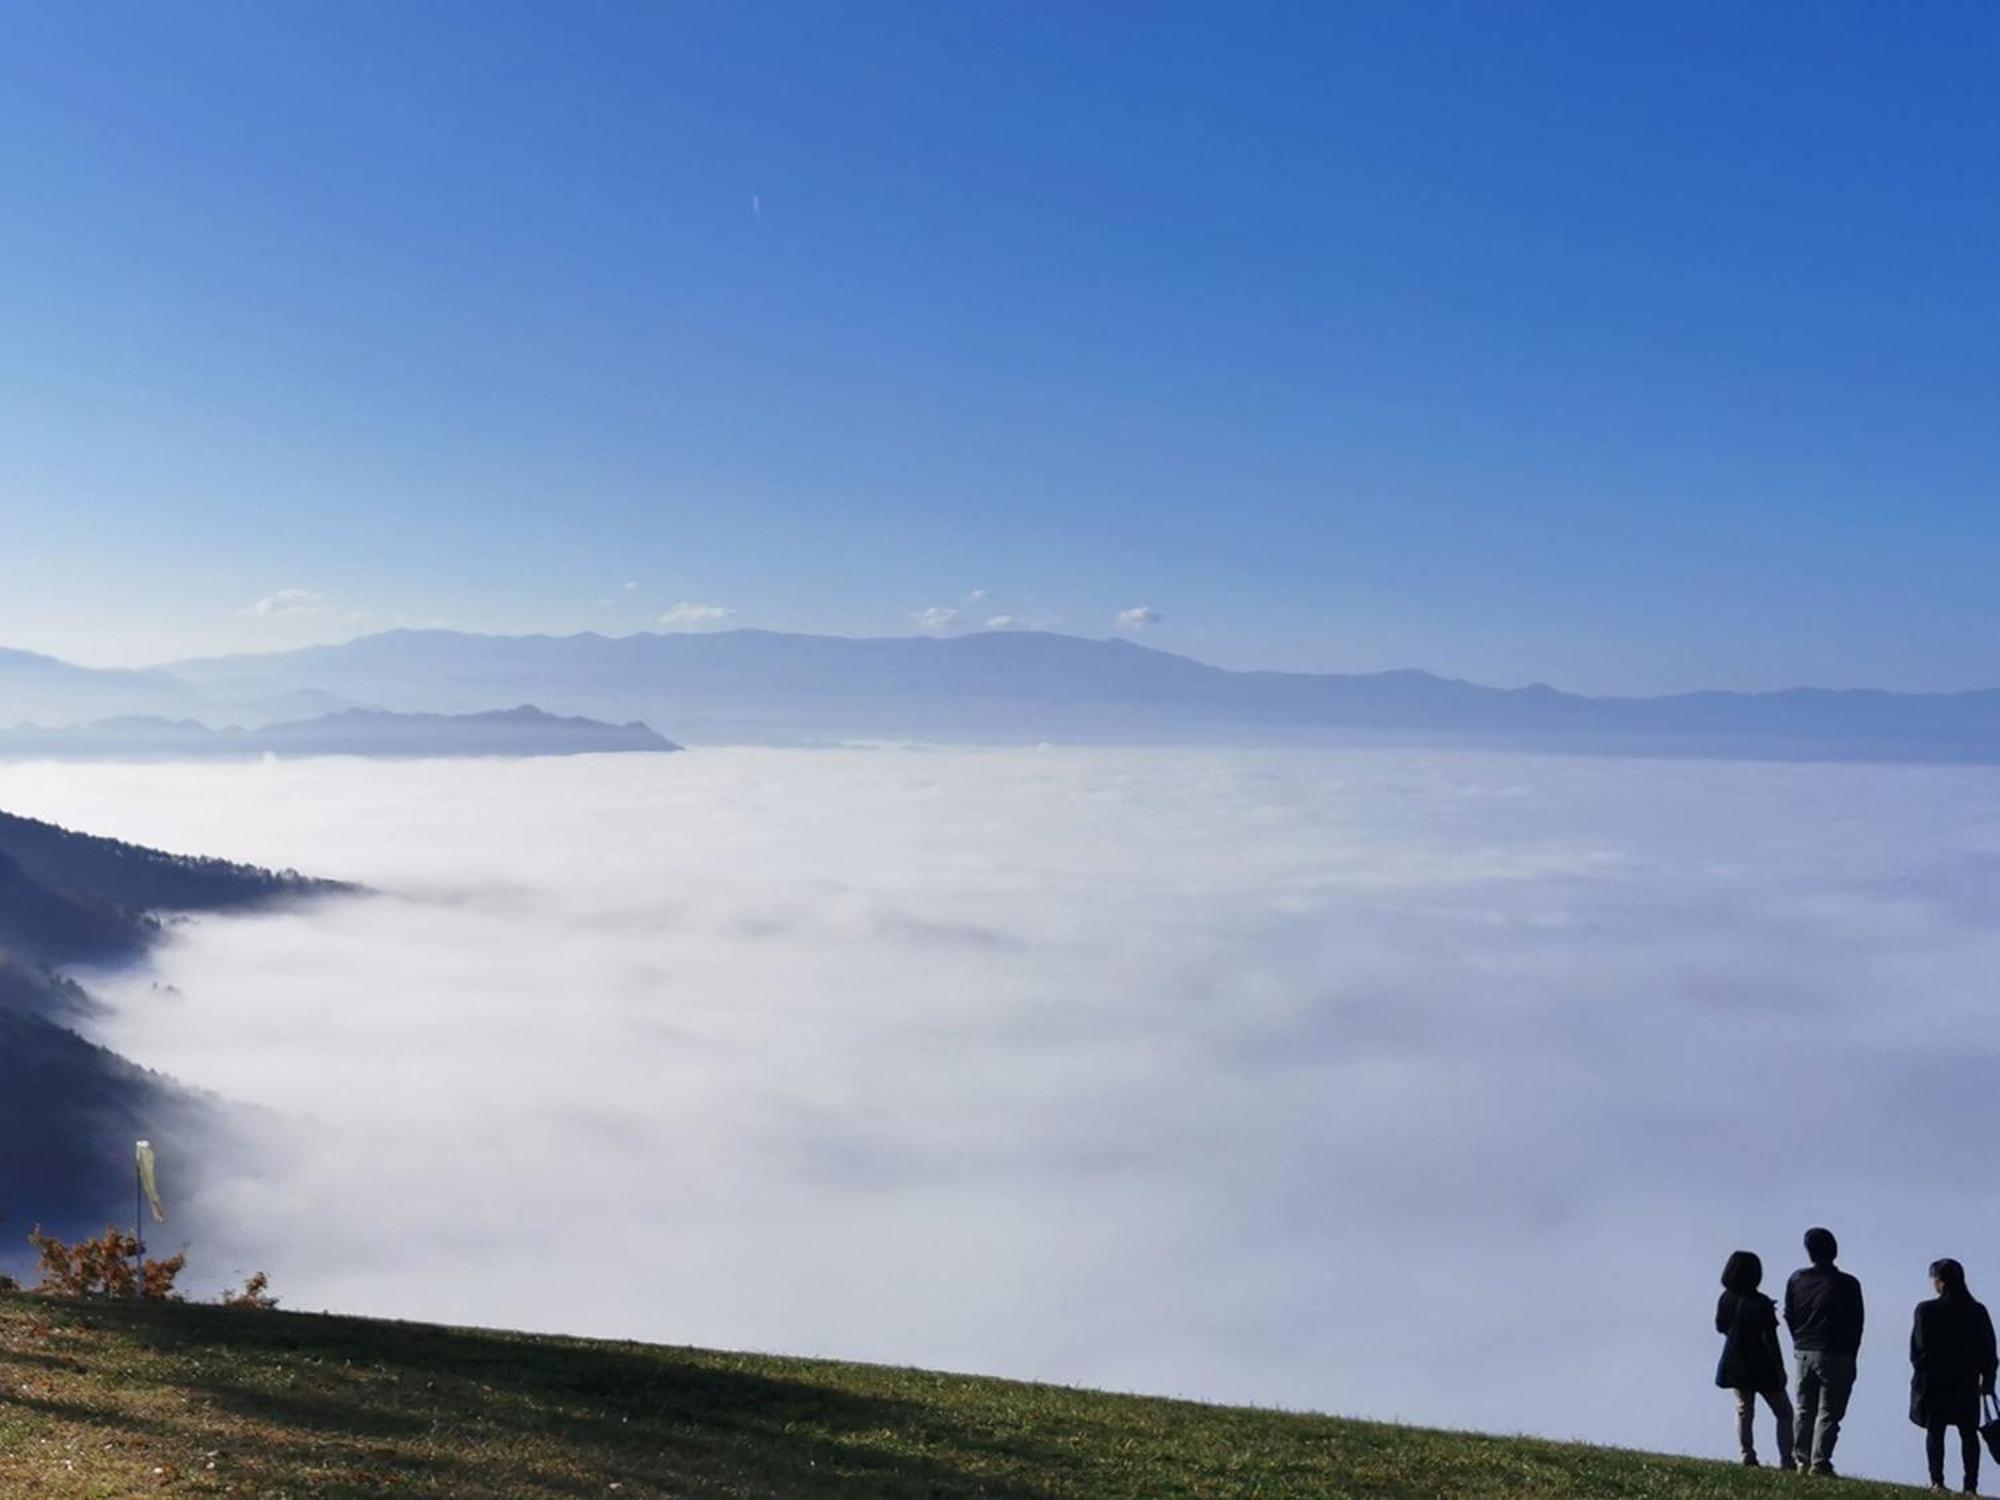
(1990, 1428)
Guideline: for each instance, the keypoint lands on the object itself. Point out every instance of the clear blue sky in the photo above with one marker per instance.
(1622, 346)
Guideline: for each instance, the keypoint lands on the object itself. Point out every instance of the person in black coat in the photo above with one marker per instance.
(1752, 1362)
(1952, 1365)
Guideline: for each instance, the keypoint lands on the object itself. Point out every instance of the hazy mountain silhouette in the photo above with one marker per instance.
(522, 731)
(41, 690)
(1027, 686)
(70, 1110)
(44, 690)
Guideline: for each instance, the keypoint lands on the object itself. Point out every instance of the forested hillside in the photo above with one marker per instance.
(69, 1110)
(103, 869)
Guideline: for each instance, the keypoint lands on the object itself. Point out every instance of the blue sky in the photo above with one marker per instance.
(1628, 347)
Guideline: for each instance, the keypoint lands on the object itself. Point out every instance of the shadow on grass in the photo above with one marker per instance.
(477, 1413)
(84, 1414)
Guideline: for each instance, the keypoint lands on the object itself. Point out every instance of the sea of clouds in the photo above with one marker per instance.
(1417, 1085)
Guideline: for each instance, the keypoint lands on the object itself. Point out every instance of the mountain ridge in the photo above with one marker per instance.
(524, 730)
(776, 687)
(1025, 686)
(196, 668)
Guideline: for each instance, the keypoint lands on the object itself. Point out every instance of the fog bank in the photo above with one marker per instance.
(1432, 1086)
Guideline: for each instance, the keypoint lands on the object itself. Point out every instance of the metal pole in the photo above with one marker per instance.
(138, 1211)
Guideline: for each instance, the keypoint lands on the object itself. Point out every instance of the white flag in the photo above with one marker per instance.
(149, 1180)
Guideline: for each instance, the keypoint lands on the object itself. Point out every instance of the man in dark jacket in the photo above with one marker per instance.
(1823, 1312)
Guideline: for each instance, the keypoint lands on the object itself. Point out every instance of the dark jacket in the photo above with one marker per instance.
(1823, 1310)
(1751, 1357)
(1952, 1360)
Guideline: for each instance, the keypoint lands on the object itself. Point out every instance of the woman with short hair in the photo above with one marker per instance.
(1752, 1363)
(1952, 1365)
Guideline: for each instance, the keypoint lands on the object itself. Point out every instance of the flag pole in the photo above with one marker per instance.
(145, 1191)
(138, 1216)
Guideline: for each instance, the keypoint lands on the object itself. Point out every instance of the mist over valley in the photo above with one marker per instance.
(1156, 1069)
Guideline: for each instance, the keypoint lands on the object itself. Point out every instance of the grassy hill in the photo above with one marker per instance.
(125, 1400)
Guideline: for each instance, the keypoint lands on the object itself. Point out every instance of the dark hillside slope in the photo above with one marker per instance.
(56, 927)
(131, 1399)
(127, 875)
(69, 1110)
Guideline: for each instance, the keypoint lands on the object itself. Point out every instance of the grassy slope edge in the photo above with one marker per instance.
(125, 1400)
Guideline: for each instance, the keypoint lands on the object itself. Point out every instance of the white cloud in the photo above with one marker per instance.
(690, 616)
(1005, 622)
(1138, 617)
(290, 602)
(977, 596)
(937, 617)
(1250, 1056)
(632, 585)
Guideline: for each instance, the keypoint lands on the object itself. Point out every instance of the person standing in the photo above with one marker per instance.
(1824, 1313)
(1752, 1363)
(1952, 1365)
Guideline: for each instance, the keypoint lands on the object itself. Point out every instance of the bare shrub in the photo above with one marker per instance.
(255, 1292)
(104, 1267)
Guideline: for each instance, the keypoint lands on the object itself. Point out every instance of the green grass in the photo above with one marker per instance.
(122, 1400)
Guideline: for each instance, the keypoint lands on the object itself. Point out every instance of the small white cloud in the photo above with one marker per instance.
(631, 586)
(977, 596)
(1139, 617)
(690, 616)
(937, 617)
(289, 602)
(1005, 622)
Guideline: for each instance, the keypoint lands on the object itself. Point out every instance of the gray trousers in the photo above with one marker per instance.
(1746, 1423)
(1825, 1382)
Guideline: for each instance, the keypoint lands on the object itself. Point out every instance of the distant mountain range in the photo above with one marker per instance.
(1013, 687)
(41, 690)
(526, 730)
(70, 1110)
(1026, 686)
